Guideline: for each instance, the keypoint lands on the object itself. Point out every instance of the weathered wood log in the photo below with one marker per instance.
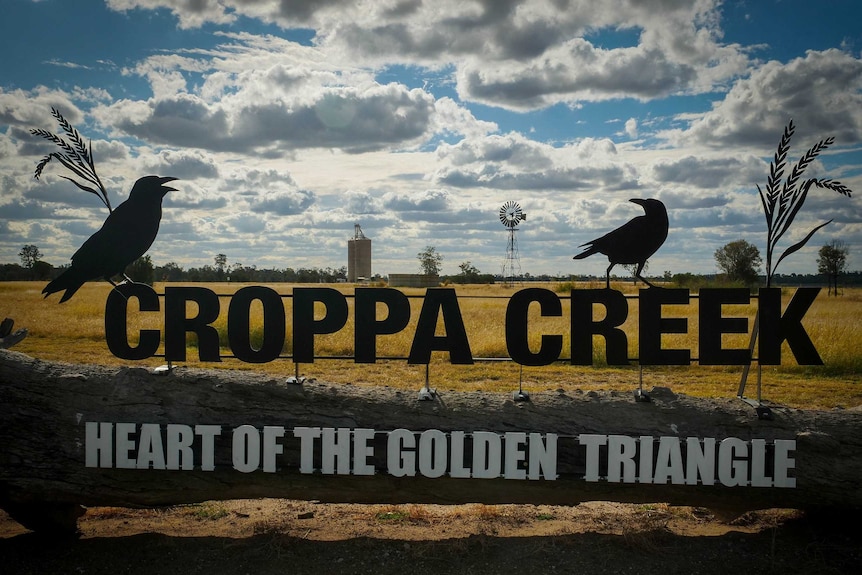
(73, 435)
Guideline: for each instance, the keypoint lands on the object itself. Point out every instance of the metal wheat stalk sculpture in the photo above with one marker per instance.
(77, 157)
(782, 201)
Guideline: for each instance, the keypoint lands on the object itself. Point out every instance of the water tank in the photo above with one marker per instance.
(358, 256)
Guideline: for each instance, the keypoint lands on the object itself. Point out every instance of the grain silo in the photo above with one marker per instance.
(358, 256)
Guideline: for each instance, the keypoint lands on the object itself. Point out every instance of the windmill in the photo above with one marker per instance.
(510, 216)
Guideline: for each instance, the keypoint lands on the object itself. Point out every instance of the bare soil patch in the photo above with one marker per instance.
(263, 536)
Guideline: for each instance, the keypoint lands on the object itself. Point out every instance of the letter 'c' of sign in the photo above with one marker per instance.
(116, 312)
(517, 339)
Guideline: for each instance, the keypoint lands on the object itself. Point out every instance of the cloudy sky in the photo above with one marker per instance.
(288, 121)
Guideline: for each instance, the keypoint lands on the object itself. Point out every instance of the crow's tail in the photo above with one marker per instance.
(70, 280)
(587, 252)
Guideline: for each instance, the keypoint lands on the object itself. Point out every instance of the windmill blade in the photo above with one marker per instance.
(510, 214)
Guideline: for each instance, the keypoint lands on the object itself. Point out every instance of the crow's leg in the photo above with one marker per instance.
(645, 281)
(116, 285)
(608, 276)
(640, 277)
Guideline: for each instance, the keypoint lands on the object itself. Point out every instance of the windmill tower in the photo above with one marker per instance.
(510, 216)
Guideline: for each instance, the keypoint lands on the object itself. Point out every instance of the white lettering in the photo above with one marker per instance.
(246, 448)
(457, 455)
(335, 451)
(271, 447)
(306, 436)
(700, 461)
(124, 444)
(592, 442)
(433, 453)
(783, 462)
(180, 455)
(362, 451)
(515, 455)
(486, 455)
(515, 442)
(543, 457)
(668, 463)
(150, 450)
(99, 440)
(398, 462)
(645, 466)
(732, 472)
(758, 464)
(208, 434)
(621, 458)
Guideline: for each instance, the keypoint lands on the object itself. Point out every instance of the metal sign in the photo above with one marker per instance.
(432, 453)
(441, 306)
(130, 229)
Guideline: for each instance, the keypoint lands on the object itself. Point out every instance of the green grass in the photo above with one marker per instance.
(397, 515)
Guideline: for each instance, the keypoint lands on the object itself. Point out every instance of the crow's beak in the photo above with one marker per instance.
(637, 201)
(163, 181)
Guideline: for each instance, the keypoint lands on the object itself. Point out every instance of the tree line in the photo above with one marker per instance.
(739, 262)
(143, 270)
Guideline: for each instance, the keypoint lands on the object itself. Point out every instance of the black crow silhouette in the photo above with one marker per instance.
(126, 235)
(634, 242)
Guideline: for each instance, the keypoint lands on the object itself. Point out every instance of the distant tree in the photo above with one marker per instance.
(205, 273)
(241, 273)
(687, 280)
(430, 261)
(141, 270)
(831, 262)
(13, 272)
(307, 275)
(740, 260)
(29, 255)
(170, 272)
(220, 266)
(632, 268)
(469, 273)
(42, 270)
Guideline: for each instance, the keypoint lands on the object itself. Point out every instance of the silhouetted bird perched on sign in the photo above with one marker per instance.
(633, 242)
(126, 235)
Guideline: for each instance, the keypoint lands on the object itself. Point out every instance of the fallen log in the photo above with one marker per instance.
(87, 435)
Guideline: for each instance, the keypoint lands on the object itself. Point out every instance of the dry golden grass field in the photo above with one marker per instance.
(74, 332)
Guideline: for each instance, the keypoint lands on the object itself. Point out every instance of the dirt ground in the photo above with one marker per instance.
(269, 536)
